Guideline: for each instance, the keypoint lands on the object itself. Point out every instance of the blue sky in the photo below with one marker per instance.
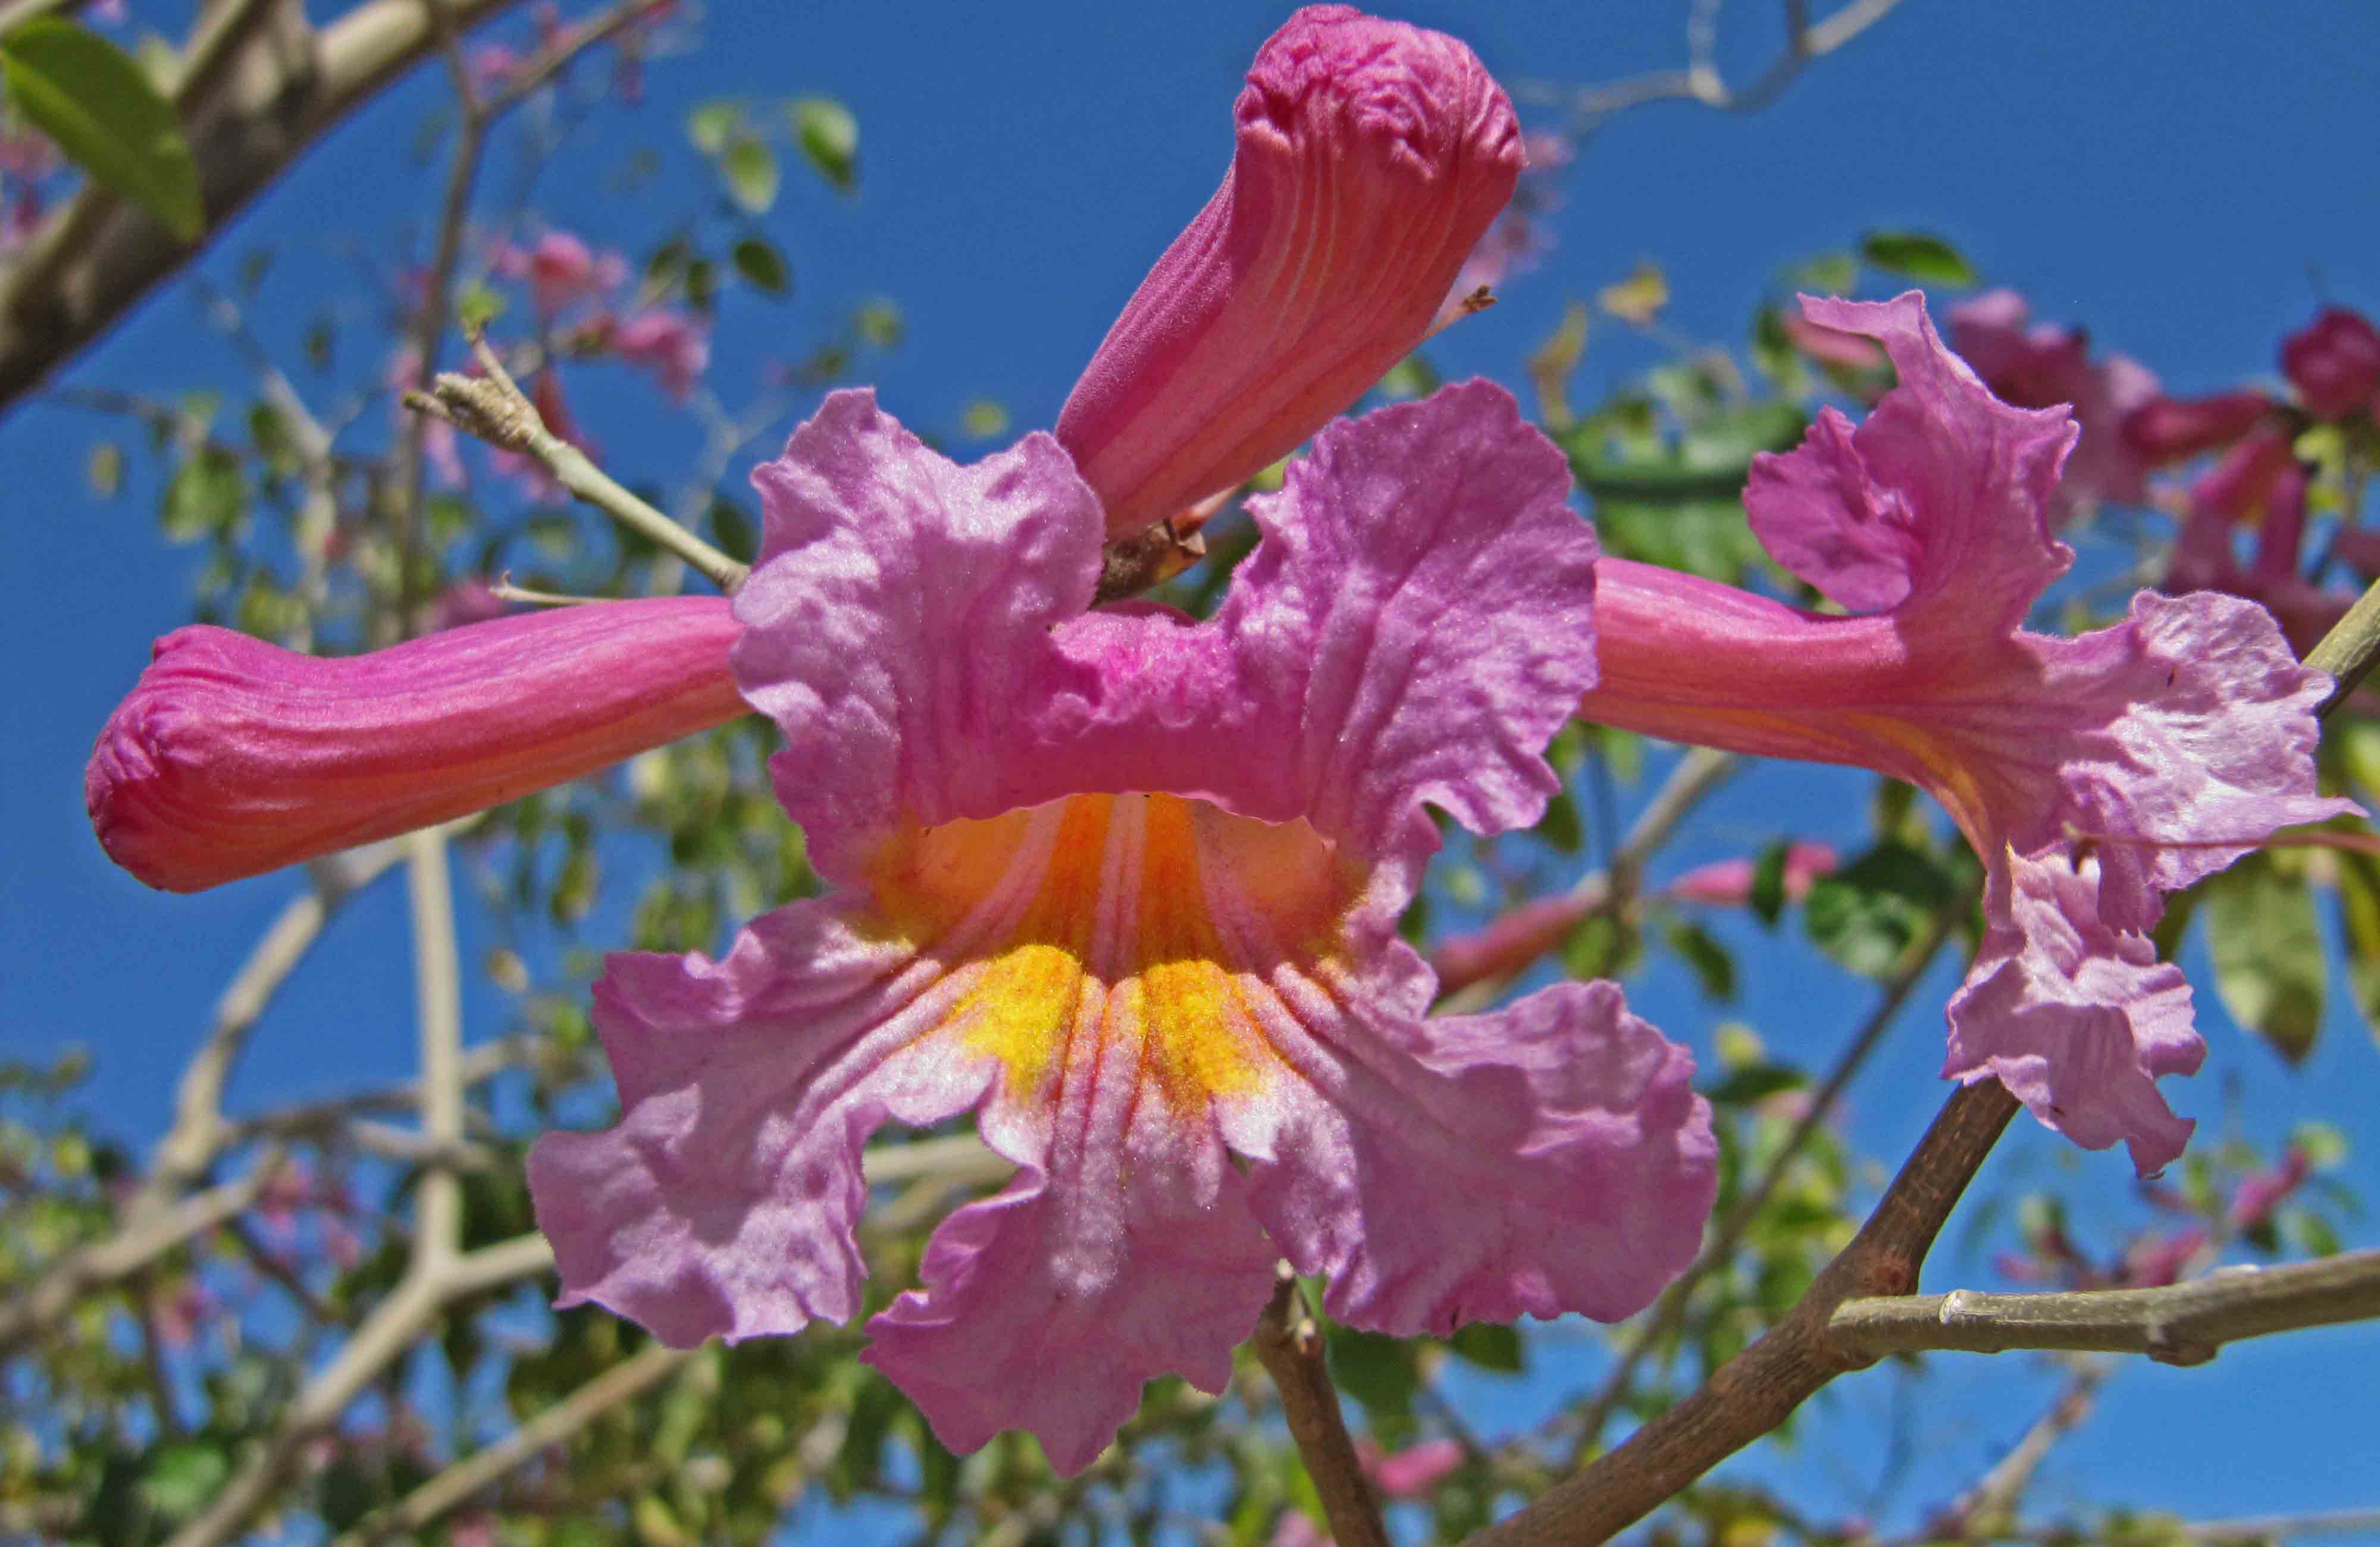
(2190, 178)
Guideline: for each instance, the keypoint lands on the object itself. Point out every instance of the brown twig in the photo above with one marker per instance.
(1290, 1344)
(97, 256)
(2179, 1324)
(1719, 1249)
(1755, 1392)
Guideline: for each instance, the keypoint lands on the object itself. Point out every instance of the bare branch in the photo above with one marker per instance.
(1701, 771)
(1994, 1496)
(126, 1253)
(1291, 1346)
(394, 1326)
(623, 1382)
(2180, 1323)
(1701, 81)
(1755, 1391)
(493, 408)
(199, 1132)
(1720, 1250)
(437, 989)
(2347, 652)
(99, 255)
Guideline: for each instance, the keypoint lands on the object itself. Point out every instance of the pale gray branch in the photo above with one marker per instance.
(199, 1132)
(2181, 1324)
(623, 1382)
(438, 990)
(1701, 81)
(394, 1326)
(120, 1256)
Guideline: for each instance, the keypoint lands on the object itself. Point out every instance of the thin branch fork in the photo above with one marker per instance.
(1289, 1346)
(492, 407)
(2180, 1324)
(1701, 81)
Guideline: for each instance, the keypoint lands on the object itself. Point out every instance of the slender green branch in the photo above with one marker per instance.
(493, 408)
(2347, 652)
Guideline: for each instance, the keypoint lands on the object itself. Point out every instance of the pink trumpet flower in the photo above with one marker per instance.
(1124, 884)
(2091, 775)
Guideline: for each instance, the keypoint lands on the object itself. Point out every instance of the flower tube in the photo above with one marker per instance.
(2091, 775)
(1370, 158)
(234, 757)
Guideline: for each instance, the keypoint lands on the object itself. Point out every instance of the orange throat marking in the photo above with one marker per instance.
(1149, 916)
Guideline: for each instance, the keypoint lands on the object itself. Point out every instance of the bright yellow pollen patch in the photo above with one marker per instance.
(1108, 904)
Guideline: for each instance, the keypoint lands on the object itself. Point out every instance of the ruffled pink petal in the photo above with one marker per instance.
(2174, 742)
(900, 615)
(1419, 618)
(1415, 624)
(722, 1201)
(2164, 747)
(2043, 366)
(233, 757)
(1549, 1157)
(1941, 489)
(2077, 1019)
(1371, 155)
(1050, 1307)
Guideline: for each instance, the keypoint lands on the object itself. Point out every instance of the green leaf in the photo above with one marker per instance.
(1866, 915)
(732, 528)
(1560, 826)
(1768, 899)
(1714, 969)
(100, 106)
(762, 266)
(208, 494)
(879, 323)
(476, 307)
(104, 468)
(750, 171)
(183, 1476)
(829, 137)
(1375, 1370)
(982, 419)
(1489, 1346)
(2323, 1143)
(2266, 941)
(1919, 255)
(711, 124)
(2358, 898)
(1755, 1083)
